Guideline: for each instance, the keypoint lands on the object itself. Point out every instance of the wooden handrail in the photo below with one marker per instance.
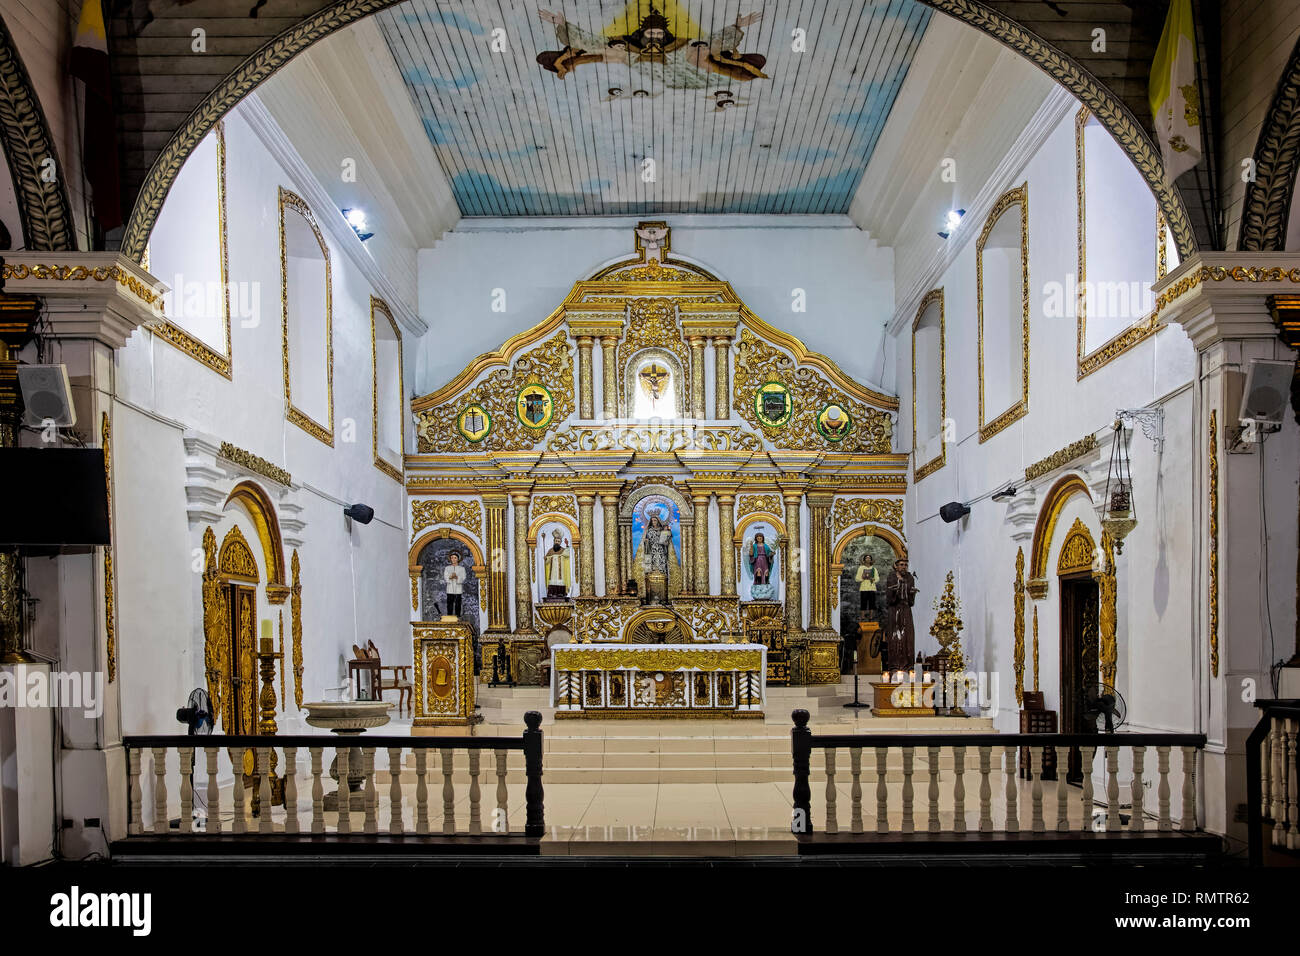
(142, 742)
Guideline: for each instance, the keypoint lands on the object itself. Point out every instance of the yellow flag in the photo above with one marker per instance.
(1175, 97)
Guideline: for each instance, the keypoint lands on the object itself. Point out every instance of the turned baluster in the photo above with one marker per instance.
(1137, 823)
(1036, 822)
(1009, 756)
(882, 791)
(959, 790)
(317, 792)
(263, 790)
(421, 791)
(855, 791)
(1266, 753)
(1164, 823)
(1188, 821)
(371, 801)
(448, 794)
(290, 789)
(501, 823)
(986, 790)
(344, 793)
(395, 790)
(240, 824)
(1277, 810)
(908, 826)
(214, 791)
(1112, 788)
(832, 824)
(1293, 805)
(134, 759)
(932, 792)
(1062, 798)
(1086, 755)
(187, 789)
(159, 790)
(475, 822)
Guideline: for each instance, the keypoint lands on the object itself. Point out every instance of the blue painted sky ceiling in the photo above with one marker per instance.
(735, 120)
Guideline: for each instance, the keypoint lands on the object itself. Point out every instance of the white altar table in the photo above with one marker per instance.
(658, 680)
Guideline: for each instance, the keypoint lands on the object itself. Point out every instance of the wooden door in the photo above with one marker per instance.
(240, 714)
(1079, 659)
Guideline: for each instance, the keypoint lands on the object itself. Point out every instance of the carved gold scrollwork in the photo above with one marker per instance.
(757, 362)
(216, 615)
(1078, 552)
(750, 504)
(466, 514)
(1018, 598)
(295, 609)
(656, 438)
(236, 559)
(847, 512)
(657, 658)
(1213, 450)
(554, 504)
(1107, 617)
(1061, 457)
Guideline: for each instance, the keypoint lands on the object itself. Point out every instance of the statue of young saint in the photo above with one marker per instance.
(558, 569)
(657, 555)
(758, 559)
(900, 634)
(868, 577)
(454, 575)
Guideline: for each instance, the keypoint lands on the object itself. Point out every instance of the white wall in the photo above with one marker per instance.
(355, 585)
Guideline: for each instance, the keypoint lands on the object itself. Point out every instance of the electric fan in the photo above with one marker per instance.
(198, 717)
(1102, 700)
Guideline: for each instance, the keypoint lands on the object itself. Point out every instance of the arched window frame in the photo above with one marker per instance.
(378, 307)
(921, 470)
(323, 432)
(1012, 198)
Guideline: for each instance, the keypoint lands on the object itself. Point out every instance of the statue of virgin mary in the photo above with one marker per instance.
(657, 555)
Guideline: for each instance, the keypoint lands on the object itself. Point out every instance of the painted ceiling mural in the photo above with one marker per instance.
(607, 107)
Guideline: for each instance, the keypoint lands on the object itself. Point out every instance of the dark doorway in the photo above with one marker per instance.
(1079, 659)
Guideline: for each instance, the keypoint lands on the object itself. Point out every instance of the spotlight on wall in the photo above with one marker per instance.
(953, 511)
(357, 220)
(359, 512)
(952, 221)
(1005, 494)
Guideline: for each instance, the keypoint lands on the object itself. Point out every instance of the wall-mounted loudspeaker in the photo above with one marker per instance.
(953, 511)
(1267, 392)
(47, 395)
(358, 512)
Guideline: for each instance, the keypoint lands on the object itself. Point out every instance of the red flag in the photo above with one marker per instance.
(89, 63)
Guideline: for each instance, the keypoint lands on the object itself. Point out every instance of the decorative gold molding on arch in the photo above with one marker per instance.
(475, 551)
(872, 531)
(1078, 551)
(235, 560)
(757, 517)
(1018, 410)
(535, 526)
(466, 513)
(1045, 527)
(261, 511)
(324, 433)
(846, 512)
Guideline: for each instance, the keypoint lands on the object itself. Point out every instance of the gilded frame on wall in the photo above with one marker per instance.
(387, 467)
(1012, 198)
(169, 331)
(324, 433)
(1140, 329)
(919, 469)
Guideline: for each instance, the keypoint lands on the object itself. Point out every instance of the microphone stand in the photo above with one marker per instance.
(855, 703)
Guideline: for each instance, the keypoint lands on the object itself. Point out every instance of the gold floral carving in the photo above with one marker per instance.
(141, 290)
(295, 626)
(758, 362)
(216, 616)
(1018, 597)
(1018, 197)
(236, 560)
(652, 323)
(550, 363)
(646, 658)
(656, 438)
(1078, 553)
(466, 514)
(1062, 457)
(749, 504)
(554, 504)
(1107, 617)
(847, 512)
(254, 463)
(1035, 648)
(110, 618)
(1213, 451)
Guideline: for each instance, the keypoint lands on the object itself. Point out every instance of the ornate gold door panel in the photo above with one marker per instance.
(239, 710)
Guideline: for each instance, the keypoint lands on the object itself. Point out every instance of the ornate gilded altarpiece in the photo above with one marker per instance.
(561, 426)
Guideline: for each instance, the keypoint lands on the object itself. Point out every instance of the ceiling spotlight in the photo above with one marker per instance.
(952, 221)
(1008, 492)
(357, 220)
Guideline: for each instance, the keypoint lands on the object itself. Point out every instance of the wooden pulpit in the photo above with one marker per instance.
(444, 673)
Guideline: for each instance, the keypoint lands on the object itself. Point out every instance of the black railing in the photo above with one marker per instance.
(1269, 798)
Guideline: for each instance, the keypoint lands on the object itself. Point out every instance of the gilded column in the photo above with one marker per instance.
(587, 546)
(819, 545)
(609, 374)
(727, 550)
(688, 557)
(498, 601)
(625, 545)
(520, 497)
(722, 379)
(613, 576)
(793, 495)
(697, 376)
(701, 502)
(586, 400)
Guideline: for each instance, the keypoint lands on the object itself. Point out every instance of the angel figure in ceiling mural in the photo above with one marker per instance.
(653, 52)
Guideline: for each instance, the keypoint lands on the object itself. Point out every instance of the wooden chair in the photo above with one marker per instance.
(364, 675)
(400, 680)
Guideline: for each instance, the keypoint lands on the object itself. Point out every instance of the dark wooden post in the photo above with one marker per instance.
(535, 823)
(801, 745)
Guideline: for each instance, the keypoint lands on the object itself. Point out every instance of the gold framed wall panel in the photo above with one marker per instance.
(169, 331)
(394, 472)
(1012, 197)
(920, 470)
(324, 433)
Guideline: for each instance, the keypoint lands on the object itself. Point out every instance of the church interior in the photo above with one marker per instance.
(568, 403)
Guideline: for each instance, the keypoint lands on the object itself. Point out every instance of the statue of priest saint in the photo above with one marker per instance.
(558, 565)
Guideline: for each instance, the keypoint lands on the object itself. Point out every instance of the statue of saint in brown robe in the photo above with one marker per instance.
(900, 634)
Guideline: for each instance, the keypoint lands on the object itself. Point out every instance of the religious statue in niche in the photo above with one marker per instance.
(454, 575)
(900, 634)
(557, 568)
(655, 396)
(759, 556)
(656, 539)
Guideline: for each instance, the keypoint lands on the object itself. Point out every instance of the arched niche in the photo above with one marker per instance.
(1002, 306)
(1055, 501)
(637, 402)
(432, 558)
(435, 533)
(666, 489)
(557, 517)
(747, 528)
(257, 504)
(846, 557)
(867, 530)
